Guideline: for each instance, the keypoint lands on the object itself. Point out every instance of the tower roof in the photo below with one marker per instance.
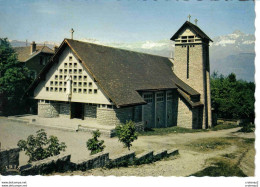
(193, 27)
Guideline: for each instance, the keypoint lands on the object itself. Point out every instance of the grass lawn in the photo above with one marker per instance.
(168, 130)
(175, 129)
(226, 164)
(221, 168)
(223, 126)
(210, 144)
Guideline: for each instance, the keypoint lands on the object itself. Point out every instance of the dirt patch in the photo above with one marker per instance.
(212, 144)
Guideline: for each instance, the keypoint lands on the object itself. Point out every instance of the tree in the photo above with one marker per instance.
(40, 147)
(14, 80)
(95, 145)
(232, 98)
(126, 133)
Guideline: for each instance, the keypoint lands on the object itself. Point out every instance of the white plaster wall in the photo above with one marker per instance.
(41, 93)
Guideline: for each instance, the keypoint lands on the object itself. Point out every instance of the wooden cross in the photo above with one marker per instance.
(196, 21)
(189, 16)
(72, 31)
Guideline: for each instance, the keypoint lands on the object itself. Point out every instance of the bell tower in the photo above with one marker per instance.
(191, 63)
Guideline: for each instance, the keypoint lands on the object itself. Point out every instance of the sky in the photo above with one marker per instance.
(120, 20)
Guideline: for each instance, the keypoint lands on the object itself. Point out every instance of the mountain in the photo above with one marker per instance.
(161, 48)
(228, 53)
(241, 64)
(234, 53)
(17, 43)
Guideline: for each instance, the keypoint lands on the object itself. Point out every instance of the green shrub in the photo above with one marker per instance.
(126, 133)
(95, 145)
(40, 147)
(246, 128)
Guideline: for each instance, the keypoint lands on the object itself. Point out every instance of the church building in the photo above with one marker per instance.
(111, 86)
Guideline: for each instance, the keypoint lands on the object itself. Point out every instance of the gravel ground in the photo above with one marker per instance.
(186, 163)
(11, 132)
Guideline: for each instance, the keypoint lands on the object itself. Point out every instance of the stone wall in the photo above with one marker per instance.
(65, 110)
(59, 163)
(196, 75)
(123, 157)
(145, 157)
(160, 154)
(98, 160)
(106, 116)
(207, 85)
(139, 126)
(9, 157)
(199, 77)
(90, 112)
(48, 110)
(184, 118)
(62, 163)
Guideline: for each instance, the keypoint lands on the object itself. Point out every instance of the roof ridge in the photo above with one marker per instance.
(116, 48)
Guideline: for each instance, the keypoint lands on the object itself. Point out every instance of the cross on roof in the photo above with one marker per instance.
(196, 21)
(189, 16)
(72, 31)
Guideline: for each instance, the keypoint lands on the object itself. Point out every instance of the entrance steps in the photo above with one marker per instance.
(106, 132)
(65, 124)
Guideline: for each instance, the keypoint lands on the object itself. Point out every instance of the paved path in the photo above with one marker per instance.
(11, 132)
(61, 123)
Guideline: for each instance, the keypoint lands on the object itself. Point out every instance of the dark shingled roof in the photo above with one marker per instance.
(188, 99)
(24, 53)
(122, 74)
(195, 28)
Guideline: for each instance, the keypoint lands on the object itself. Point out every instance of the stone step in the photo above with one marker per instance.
(16, 119)
(106, 132)
(73, 129)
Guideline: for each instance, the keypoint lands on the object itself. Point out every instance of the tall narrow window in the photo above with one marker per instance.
(188, 61)
(41, 60)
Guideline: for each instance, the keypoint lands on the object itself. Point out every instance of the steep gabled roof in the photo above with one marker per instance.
(120, 73)
(24, 53)
(193, 27)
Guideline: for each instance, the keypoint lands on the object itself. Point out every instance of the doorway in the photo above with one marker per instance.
(77, 111)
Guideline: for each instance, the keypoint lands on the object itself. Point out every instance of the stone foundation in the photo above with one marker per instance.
(184, 118)
(139, 126)
(64, 110)
(48, 110)
(107, 116)
(90, 112)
